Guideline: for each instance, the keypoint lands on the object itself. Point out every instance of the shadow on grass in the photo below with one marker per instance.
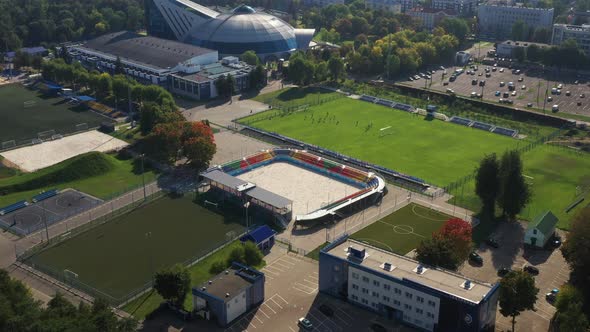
(297, 93)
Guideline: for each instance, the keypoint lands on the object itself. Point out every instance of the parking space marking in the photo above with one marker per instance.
(271, 309)
(264, 313)
(273, 268)
(313, 282)
(281, 265)
(282, 260)
(290, 328)
(304, 286)
(280, 297)
(258, 319)
(271, 272)
(344, 312)
(275, 302)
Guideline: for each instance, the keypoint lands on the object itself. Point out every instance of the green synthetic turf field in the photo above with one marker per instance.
(553, 174)
(123, 254)
(19, 122)
(435, 151)
(403, 230)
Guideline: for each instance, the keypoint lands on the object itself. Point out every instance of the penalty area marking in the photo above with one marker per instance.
(423, 216)
(364, 239)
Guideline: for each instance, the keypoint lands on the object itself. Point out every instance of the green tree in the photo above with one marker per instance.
(120, 87)
(252, 255)
(438, 251)
(250, 58)
(457, 27)
(576, 250)
(514, 192)
(519, 29)
(520, 54)
(336, 68)
(173, 284)
(321, 72)
(217, 267)
(569, 315)
(119, 69)
(392, 66)
(517, 294)
(225, 85)
(487, 182)
(257, 77)
(236, 255)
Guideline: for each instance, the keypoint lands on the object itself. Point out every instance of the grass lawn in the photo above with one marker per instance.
(553, 173)
(118, 257)
(315, 254)
(403, 230)
(435, 151)
(19, 122)
(146, 303)
(123, 176)
(295, 96)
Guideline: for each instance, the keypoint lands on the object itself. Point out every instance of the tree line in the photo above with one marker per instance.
(46, 22)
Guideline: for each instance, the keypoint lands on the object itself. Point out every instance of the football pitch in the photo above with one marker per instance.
(122, 255)
(24, 113)
(433, 150)
(403, 230)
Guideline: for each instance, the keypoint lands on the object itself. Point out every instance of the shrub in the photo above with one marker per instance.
(252, 254)
(236, 255)
(217, 267)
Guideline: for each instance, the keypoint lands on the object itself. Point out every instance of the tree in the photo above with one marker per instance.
(225, 85)
(321, 72)
(459, 232)
(576, 250)
(458, 27)
(173, 284)
(198, 144)
(520, 54)
(257, 77)
(514, 192)
(165, 141)
(252, 255)
(569, 315)
(153, 114)
(519, 30)
(487, 183)
(438, 251)
(392, 66)
(119, 69)
(120, 87)
(336, 68)
(517, 294)
(250, 58)
(236, 255)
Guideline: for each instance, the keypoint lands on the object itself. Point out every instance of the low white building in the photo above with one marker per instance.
(541, 229)
(506, 48)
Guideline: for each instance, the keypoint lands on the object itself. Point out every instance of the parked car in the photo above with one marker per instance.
(377, 328)
(482, 83)
(523, 87)
(442, 68)
(520, 79)
(474, 81)
(553, 91)
(475, 258)
(549, 98)
(568, 93)
(488, 75)
(492, 242)
(555, 241)
(446, 83)
(326, 310)
(410, 78)
(497, 93)
(529, 105)
(552, 295)
(473, 94)
(506, 95)
(502, 84)
(555, 108)
(582, 95)
(560, 86)
(305, 323)
(416, 77)
(513, 93)
(501, 70)
(503, 272)
(531, 270)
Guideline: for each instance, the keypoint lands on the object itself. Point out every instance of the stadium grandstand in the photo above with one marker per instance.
(484, 126)
(225, 178)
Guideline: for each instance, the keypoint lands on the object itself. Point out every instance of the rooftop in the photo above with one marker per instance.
(545, 223)
(231, 281)
(214, 70)
(225, 179)
(147, 50)
(405, 268)
(269, 197)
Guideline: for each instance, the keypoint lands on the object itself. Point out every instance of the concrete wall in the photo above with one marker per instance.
(236, 306)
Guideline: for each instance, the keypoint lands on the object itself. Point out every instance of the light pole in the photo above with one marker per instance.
(247, 206)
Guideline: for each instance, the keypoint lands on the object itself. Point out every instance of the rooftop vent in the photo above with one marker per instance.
(387, 266)
(357, 253)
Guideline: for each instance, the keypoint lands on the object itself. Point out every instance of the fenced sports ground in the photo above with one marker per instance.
(403, 230)
(26, 113)
(120, 257)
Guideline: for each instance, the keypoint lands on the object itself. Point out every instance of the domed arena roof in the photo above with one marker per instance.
(245, 29)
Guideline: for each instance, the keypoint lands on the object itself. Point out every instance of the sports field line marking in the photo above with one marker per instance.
(425, 217)
(367, 239)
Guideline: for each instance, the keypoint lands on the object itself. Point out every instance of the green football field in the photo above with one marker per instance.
(435, 151)
(122, 255)
(403, 230)
(24, 113)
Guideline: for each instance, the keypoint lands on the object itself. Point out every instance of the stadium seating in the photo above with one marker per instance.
(260, 157)
(45, 195)
(505, 131)
(482, 125)
(461, 121)
(385, 102)
(403, 107)
(370, 99)
(231, 166)
(13, 207)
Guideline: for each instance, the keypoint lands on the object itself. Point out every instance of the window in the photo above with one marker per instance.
(397, 291)
(429, 315)
(354, 297)
(365, 291)
(396, 302)
(407, 306)
(376, 283)
(375, 294)
(418, 322)
(385, 298)
(364, 301)
(386, 286)
(336, 268)
(409, 295)
(419, 311)
(431, 303)
(355, 275)
(355, 286)
(365, 279)
(236, 301)
(244, 295)
(420, 299)
(228, 304)
(534, 231)
(373, 304)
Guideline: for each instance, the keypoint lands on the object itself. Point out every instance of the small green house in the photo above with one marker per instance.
(541, 229)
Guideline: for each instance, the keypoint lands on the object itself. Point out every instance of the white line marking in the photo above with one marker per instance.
(290, 328)
(280, 297)
(285, 261)
(271, 272)
(305, 286)
(313, 282)
(271, 309)
(275, 302)
(258, 319)
(344, 312)
(274, 268)
(268, 277)
(283, 266)
(260, 309)
(301, 290)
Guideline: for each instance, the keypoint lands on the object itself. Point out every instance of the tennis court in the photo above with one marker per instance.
(123, 254)
(403, 230)
(24, 113)
(48, 211)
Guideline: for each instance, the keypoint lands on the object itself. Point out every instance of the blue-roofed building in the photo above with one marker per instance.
(230, 294)
(263, 236)
(32, 51)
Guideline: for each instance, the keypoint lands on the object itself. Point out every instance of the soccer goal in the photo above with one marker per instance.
(213, 204)
(46, 135)
(29, 104)
(70, 274)
(385, 131)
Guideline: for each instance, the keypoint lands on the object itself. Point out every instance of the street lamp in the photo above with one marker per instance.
(247, 205)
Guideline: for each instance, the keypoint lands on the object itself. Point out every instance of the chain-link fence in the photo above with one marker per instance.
(10, 144)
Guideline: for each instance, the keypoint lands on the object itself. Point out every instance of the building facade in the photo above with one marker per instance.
(541, 229)
(506, 49)
(463, 7)
(230, 294)
(430, 17)
(579, 33)
(495, 22)
(395, 6)
(402, 289)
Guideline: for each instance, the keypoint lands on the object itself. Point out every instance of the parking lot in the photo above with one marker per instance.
(553, 273)
(535, 83)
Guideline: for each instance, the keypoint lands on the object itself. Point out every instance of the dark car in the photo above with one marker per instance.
(324, 309)
(377, 328)
(531, 270)
(503, 271)
(492, 243)
(555, 241)
(474, 257)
